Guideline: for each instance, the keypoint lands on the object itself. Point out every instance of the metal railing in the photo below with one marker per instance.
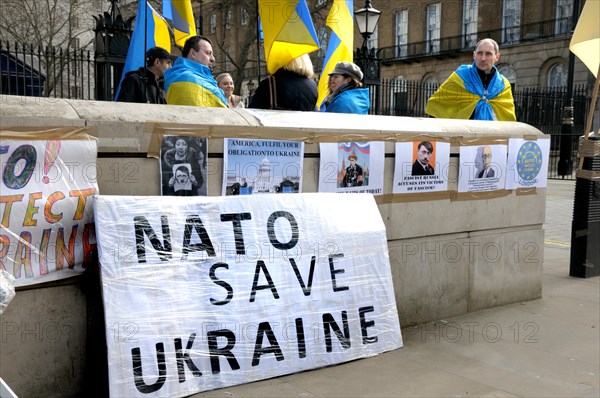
(50, 72)
(544, 30)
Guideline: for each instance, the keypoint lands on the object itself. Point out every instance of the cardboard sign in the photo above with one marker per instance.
(482, 168)
(46, 205)
(208, 292)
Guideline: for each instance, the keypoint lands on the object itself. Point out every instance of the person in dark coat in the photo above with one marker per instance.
(142, 85)
(290, 88)
(421, 166)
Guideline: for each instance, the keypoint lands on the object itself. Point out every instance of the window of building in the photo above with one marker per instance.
(511, 21)
(213, 23)
(564, 11)
(430, 86)
(244, 16)
(470, 13)
(372, 42)
(228, 17)
(433, 27)
(509, 73)
(557, 76)
(401, 33)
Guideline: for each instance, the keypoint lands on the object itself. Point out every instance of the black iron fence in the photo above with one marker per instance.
(54, 72)
(46, 72)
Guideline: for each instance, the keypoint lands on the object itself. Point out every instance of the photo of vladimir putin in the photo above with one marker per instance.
(421, 166)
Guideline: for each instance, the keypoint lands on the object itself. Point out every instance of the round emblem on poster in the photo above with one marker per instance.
(529, 161)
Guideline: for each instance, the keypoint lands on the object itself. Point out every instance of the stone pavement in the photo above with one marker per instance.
(548, 347)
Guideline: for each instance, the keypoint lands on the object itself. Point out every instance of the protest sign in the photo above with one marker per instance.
(421, 166)
(352, 167)
(207, 292)
(482, 168)
(262, 166)
(527, 163)
(46, 205)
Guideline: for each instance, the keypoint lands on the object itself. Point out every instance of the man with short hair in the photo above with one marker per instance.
(142, 85)
(190, 81)
(477, 91)
(486, 157)
(421, 166)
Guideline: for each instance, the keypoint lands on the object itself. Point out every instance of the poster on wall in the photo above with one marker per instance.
(421, 166)
(209, 292)
(253, 166)
(527, 163)
(355, 167)
(183, 166)
(46, 205)
(482, 168)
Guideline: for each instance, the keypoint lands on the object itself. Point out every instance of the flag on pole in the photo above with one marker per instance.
(156, 34)
(180, 13)
(341, 42)
(288, 31)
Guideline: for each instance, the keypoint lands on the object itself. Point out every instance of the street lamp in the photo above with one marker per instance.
(367, 19)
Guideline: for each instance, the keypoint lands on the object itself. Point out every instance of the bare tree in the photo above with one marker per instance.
(46, 28)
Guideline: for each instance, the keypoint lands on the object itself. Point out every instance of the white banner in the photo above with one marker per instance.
(47, 190)
(527, 163)
(208, 292)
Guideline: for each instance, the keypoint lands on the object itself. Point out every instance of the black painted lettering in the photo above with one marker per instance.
(214, 351)
(364, 324)
(142, 226)
(305, 289)
(219, 282)
(138, 375)
(330, 324)
(301, 338)
(271, 230)
(194, 223)
(273, 348)
(334, 271)
(236, 219)
(183, 358)
(260, 265)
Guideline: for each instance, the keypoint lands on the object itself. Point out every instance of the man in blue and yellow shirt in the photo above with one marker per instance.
(190, 80)
(477, 91)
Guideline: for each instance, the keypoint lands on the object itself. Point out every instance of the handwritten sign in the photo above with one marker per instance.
(208, 292)
(47, 230)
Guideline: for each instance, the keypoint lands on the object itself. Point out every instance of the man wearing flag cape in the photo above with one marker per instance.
(477, 91)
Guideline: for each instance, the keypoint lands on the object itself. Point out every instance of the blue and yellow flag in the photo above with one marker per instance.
(289, 31)
(180, 13)
(156, 34)
(341, 42)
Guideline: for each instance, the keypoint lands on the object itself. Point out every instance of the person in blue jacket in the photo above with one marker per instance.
(346, 94)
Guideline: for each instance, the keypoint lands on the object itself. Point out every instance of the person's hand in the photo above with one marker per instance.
(172, 181)
(192, 178)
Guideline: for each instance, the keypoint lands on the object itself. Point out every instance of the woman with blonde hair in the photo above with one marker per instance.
(225, 83)
(290, 88)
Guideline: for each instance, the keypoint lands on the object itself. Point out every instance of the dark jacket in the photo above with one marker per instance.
(134, 86)
(294, 92)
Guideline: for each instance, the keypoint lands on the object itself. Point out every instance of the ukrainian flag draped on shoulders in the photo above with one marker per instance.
(463, 95)
(191, 83)
(288, 31)
(341, 42)
(149, 25)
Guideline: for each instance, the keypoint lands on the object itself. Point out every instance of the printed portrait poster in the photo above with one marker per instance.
(46, 202)
(482, 168)
(352, 167)
(527, 163)
(262, 166)
(421, 166)
(183, 166)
